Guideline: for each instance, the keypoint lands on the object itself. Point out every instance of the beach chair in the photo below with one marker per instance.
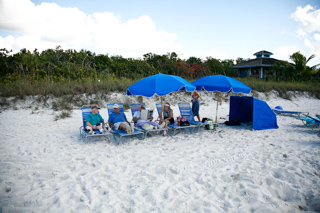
(174, 126)
(313, 122)
(279, 111)
(86, 109)
(122, 133)
(307, 120)
(134, 108)
(317, 122)
(186, 111)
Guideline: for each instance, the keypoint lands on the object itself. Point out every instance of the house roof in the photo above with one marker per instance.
(263, 52)
(257, 62)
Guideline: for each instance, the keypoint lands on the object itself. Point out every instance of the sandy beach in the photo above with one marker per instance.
(46, 166)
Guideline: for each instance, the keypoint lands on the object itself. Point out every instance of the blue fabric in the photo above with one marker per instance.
(308, 120)
(140, 124)
(250, 109)
(159, 84)
(117, 117)
(94, 119)
(221, 83)
(195, 108)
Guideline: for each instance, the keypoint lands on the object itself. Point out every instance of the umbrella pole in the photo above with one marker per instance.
(162, 112)
(217, 112)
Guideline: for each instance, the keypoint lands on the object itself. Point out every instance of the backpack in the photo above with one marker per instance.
(210, 124)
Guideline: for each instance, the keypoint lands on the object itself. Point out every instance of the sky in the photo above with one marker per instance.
(222, 29)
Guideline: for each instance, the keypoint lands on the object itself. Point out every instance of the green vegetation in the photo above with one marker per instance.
(298, 70)
(260, 85)
(63, 114)
(57, 65)
(61, 73)
(44, 87)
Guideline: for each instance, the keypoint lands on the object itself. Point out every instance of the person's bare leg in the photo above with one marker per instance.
(89, 129)
(198, 118)
(123, 127)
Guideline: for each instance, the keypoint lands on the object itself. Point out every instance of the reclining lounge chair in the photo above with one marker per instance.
(122, 133)
(313, 122)
(86, 109)
(307, 120)
(174, 126)
(186, 111)
(134, 108)
(279, 111)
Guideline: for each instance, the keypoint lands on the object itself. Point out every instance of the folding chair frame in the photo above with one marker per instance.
(134, 108)
(86, 109)
(186, 111)
(174, 126)
(122, 133)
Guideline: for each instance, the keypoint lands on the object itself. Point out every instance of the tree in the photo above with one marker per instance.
(300, 64)
(193, 59)
(241, 60)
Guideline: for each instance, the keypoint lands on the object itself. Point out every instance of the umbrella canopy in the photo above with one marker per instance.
(159, 84)
(221, 83)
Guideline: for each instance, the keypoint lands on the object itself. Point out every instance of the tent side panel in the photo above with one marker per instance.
(241, 109)
(263, 116)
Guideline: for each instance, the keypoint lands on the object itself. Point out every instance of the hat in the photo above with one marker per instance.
(166, 105)
(115, 106)
(95, 106)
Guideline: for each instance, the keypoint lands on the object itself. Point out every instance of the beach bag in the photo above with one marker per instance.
(210, 124)
(184, 122)
(204, 120)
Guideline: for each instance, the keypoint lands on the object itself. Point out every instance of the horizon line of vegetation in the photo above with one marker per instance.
(58, 72)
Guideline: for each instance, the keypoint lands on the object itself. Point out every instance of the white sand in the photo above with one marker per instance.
(45, 165)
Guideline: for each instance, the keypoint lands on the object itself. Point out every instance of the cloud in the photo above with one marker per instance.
(48, 25)
(283, 53)
(308, 19)
(314, 45)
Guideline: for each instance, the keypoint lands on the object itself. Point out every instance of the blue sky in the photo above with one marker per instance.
(220, 29)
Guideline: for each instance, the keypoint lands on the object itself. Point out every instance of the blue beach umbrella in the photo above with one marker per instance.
(161, 85)
(221, 83)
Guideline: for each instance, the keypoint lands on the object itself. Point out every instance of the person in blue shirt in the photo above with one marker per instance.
(118, 120)
(94, 120)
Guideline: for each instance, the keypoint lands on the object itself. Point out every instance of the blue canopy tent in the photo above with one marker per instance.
(250, 109)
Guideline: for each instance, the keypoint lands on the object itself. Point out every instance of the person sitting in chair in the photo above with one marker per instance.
(93, 121)
(147, 125)
(118, 120)
(167, 115)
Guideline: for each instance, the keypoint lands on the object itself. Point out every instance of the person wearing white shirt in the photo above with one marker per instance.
(145, 124)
